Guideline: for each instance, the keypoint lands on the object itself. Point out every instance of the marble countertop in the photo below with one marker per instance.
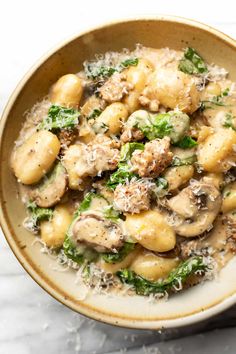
(31, 321)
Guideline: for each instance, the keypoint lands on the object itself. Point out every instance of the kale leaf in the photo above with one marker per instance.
(95, 113)
(192, 63)
(172, 283)
(80, 252)
(161, 187)
(160, 126)
(177, 161)
(38, 214)
(60, 118)
(123, 173)
(103, 72)
(215, 101)
(186, 143)
(71, 251)
(129, 62)
(229, 123)
(110, 213)
(127, 151)
(120, 255)
(121, 176)
(173, 124)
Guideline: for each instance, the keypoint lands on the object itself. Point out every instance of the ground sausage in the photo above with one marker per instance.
(154, 159)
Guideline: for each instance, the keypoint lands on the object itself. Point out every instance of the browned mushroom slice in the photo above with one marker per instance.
(50, 191)
(96, 232)
(196, 208)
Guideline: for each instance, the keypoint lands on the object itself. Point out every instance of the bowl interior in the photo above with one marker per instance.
(122, 310)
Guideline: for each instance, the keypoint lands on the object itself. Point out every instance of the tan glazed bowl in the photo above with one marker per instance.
(185, 308)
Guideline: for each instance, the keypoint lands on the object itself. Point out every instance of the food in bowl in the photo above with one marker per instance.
(127, 170)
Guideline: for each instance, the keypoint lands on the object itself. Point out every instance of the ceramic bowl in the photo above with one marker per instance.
(185, 308)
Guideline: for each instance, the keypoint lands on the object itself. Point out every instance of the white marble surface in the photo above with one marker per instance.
(30, 320)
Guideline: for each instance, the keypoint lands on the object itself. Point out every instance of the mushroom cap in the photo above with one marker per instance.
(101, 234)
(203, 207)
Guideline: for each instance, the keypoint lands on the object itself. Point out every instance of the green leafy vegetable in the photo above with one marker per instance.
(110, 213)
(56, 173)
(71, 251)
(177, 161)
(129, 62)
(162, 186)
(121, 176)
(60, 118)
(100, 127)
(80, 252)
(173, 124)
(95, 113)
(85, 204)
(172, 282)
(120, 255)
(103, 72)
(38, 214)
(98, 73)
(123, 173)
(186, 143)
(229, 121)
(161, 126)
(127, 151)
(215, 101)
(225, 92)
(192, 63)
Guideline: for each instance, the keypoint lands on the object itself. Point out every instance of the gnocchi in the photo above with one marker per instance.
(173, 89)
(214, 151)
(53, 231)
(177, 176)
(229, 198)
(33, 159)
(150, 229)
(67, 91)
(127, 170)
(113, 117)
(153, 267)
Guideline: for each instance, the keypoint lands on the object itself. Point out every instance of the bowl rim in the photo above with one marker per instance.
(42, 281)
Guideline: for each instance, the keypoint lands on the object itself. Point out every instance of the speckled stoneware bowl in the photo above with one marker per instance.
(185, 308)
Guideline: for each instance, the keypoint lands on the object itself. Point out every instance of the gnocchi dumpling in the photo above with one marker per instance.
(74, 154)
(229, 198)
(137, 76)
(125, 263)
(153, 267)
(112, 118)
(216, 153)
(173, 89)
(34, 158)
(177, 176)
(150, 229)
(67, 91)
(53, 231)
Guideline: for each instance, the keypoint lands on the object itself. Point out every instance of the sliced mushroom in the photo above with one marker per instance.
(219, 242)
(50, 191)
(96, 232)
(196, 208)
(184, 204)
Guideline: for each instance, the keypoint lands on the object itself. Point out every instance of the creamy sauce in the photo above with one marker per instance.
(122, 108)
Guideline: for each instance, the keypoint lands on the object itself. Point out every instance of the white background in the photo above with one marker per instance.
(30, 320)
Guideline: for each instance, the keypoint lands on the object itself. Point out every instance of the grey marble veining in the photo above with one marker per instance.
(31, 321)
